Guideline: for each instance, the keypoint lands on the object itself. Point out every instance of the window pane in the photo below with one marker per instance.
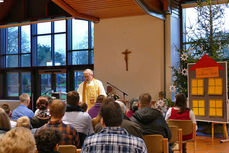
(43, 50)
(92, 57)
(25, 60)
(12, 84)
(12, 40)
(26, 83)
(60, 26)
(44, 28)
(12, 61)
(92, 34)
(79, 34)
(61, 82)
(78, 78)
(25, 39)
(60, 49)
(80, 57)
(46, 84)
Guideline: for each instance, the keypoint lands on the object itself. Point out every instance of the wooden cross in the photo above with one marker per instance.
(126, 52)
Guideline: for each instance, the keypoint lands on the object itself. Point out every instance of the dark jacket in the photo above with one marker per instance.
(37, 122)
(152, 122)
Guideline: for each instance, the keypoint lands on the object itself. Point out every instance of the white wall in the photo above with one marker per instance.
(143, 35)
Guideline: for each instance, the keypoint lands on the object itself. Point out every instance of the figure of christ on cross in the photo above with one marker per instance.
(126, 52)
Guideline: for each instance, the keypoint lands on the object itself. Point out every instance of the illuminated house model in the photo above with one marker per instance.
(207, 90)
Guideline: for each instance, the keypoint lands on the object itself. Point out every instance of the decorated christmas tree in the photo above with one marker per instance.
(207, 36)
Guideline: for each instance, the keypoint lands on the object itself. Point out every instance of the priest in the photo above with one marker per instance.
(90, 89)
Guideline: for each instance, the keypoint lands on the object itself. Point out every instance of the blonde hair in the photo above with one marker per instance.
(23, 122)
(17, 140)
(24, 97)
(57, 108)
(4, 120)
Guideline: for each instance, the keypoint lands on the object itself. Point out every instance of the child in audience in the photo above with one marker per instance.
(181, 112)
(47, 140)
(161, 104)
(23, 122)
(6, 108)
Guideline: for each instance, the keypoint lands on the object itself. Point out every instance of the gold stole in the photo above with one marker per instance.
(91, 92)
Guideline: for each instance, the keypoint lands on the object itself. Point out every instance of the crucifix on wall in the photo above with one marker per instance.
(126, 52)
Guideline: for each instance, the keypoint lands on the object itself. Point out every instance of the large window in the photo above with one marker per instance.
(65, 44)
(17, 52)
(18, 83)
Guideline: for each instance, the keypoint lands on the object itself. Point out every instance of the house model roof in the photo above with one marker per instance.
(205, 62)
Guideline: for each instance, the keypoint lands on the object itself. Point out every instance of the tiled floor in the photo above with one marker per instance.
(207, 145)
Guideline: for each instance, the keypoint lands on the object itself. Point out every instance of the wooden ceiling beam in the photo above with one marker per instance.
(73, 12)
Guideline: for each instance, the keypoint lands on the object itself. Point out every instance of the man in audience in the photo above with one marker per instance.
(17, 140)
(69, 135)
(131, 127)
(150, 119)
(78, 119)
(90, 89)
(6, 108)
(22, 109)
(47, 140)
(113, 138)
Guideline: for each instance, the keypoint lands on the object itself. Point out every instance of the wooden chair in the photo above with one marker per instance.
(67, 149)
(188, 127)
(176, 138)
(156, 143)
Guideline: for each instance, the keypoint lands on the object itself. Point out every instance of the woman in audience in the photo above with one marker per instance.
(47, 140)
(181, 112)
(4, 122)
(17, 140)
(133, 106)
(42, 115)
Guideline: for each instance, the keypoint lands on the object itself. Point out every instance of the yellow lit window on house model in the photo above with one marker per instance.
(197, 87)
(216, 108)
(198, 107)
(215, 86)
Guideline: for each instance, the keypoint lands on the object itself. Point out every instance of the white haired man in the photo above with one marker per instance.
(22, 109)
(90, 89)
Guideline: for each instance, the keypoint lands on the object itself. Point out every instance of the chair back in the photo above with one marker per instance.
(174, 132)
(176, 139)
(185, 125)
(156, 143)
(67, 149)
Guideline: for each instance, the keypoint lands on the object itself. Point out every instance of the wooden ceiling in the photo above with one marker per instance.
(102, 9)
(106, 8)
(20, 11)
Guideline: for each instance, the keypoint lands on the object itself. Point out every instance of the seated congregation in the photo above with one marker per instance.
(108, 126)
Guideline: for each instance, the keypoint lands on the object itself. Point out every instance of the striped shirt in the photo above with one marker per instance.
(114, 140)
